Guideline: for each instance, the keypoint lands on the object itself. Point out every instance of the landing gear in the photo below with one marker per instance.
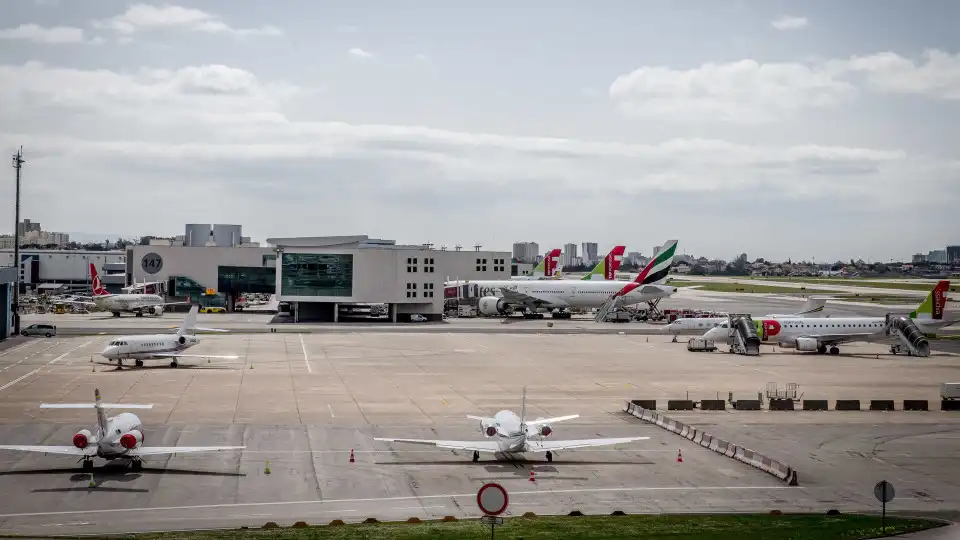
(476, 456)
(834, 351)
(822, 349)
(116, 313)
(87, 465)
(139, 314)
(528, 315)
(174, 363)
(136, 465)
(138, 362)
(561, 315)
(549, 456)
(119, 363)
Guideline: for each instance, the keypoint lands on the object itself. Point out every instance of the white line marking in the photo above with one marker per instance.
(579, 451)
(17, 348)
(305, 359)
(403, 498)
(55, 360)
(331, 411)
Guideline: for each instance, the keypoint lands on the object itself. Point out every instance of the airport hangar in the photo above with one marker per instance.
(317, 276)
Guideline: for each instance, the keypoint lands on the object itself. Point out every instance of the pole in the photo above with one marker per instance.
(17, 164)
(492, 525)
(883, 515)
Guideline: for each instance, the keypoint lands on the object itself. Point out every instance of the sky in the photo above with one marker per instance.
(815, 129)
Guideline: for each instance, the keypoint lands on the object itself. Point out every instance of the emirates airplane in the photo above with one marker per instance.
(512, 434)
(119, 437)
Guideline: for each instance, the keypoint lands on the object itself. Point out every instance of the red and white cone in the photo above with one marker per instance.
(532, 479)
(679, 456)
(351, 456)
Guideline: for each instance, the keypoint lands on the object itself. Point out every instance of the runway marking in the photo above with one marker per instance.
(18, 347)
(329, 408)
(55, 360)
(445, 404)
(401, 498)
(305, 359)
(29, 355)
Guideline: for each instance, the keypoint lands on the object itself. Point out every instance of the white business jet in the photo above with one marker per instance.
(512, 434)
(161, 346)
(119, 437)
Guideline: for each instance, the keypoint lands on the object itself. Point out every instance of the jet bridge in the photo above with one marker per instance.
(912, 340)
(743, 335)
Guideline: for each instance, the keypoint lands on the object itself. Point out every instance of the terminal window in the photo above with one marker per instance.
(316, 274)
(411, 290)
(428, 290)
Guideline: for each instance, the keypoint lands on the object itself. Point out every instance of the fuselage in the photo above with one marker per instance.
(147, 346)
(127, 302)
(577, 293)
(706, 323)
(785, 330)
(510, 435)
(108, 444)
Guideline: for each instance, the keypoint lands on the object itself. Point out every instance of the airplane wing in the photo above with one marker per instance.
(539, 421)
(178, 355)
(64, 450)
(159, 450)
(77, 303)
(527, 300)
(481, 418)
(544, 446)
(476, 446)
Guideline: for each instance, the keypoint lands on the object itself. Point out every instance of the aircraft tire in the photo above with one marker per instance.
(173, 364)
(87, 465)
(549, 456)
(139, 363)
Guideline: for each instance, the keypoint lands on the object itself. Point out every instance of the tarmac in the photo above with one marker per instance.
(303, 400)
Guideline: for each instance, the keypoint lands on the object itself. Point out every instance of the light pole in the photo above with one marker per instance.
(17, 164)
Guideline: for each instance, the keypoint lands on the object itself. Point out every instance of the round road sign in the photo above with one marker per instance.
(492, 499)
(884, 491)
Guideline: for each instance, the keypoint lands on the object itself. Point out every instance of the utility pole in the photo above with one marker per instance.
(17, 164)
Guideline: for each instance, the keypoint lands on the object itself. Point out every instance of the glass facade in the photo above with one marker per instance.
(316, 274)
(183, 286)
(249, 279)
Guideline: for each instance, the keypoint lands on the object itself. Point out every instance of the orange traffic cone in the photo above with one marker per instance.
(351, 456)
(532, 479)
(679, 456)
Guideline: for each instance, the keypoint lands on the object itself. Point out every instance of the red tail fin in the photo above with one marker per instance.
(98, 289)
(940, 298)
(551, 262)
(612, 264)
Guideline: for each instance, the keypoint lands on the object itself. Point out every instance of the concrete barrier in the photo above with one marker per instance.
(816, 405)
(747, 405)
(949, 405)
(847, 405)
(781, 404)
(679, 405)
(713, 405)
(916, 405)
(881, 405)
(645, 403)
(744, 455)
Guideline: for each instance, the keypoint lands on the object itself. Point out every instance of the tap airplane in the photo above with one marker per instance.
(548, 267)
(508, 434)
(823, 334)
(118, 437)
(138, 304)
(531, 297)
(160, 346)
(811, 308)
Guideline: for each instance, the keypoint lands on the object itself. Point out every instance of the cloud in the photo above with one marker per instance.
(789, 22)
(745, 91)
(421, 57)
(220, 132)
(936, 74)
(39, 34)
(139, 17)
(360, 53)
(346, 29)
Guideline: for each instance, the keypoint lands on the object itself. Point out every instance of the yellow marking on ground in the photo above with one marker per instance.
(445, 404)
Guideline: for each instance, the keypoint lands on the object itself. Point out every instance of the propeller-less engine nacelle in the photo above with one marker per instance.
(131, 439)
(181, 340)
(82, 438)
(491, 305)
(544, 430)
(804, 344)
(488, 429)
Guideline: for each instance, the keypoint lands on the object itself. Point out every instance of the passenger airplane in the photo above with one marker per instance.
(811, 308)
(119, 437)
(548, 268)
(512, 434)
(160, 346)
(125, 303)
(821, 334)
(507, 297)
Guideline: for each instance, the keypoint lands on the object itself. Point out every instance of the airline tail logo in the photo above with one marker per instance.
(611, 263)
(98, 289)
(551, 263)
(933, 306)
(656, 270)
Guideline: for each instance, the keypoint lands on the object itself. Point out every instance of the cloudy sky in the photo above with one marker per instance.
(784, 129)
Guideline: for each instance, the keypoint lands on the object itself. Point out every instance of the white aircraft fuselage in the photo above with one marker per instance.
(147, 346)
(577, 293)
(111, 445)
(832, 330)
(118, 303)
(509, 434)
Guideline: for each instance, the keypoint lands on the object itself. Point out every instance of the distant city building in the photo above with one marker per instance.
(953, 254)
(589, 253)
(32, 234)
(217, 235)
(937, 256)
(26, 226)
(526, 251)
(569, 254)
(919, 258)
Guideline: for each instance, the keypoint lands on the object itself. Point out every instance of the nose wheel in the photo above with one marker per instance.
(174, 364)
(476, 456)
(87, 465)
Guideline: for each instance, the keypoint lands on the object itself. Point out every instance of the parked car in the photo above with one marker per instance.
(416, 317)
(47, 330)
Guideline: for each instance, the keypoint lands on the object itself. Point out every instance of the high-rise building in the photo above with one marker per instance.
(526, 251)
(937, 256)
(569, 254)
(26, 226)
(589, 253)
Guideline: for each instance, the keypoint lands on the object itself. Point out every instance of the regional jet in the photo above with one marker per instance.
(119, 437)
(512, 434)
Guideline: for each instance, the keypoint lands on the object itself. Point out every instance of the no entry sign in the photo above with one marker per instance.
(492, 499)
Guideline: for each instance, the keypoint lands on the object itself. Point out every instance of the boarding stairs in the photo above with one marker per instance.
(606, 308)
(911, 339)
(743, 336)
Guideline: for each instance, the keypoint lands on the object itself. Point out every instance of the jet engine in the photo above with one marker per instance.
(155, 310)
(131, 439)
(82, 438)
(181, 340)
(807, 344)
(488, 430)
(491, 305)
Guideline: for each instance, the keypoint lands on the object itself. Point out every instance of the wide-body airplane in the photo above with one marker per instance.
(138, 304)
(161, 346)
(508, 434)
(811, 308)
(825, 334)
(530, 297)
(118, 437)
